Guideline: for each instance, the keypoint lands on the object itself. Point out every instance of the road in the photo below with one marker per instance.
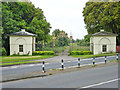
(68, 62)
(104, 77)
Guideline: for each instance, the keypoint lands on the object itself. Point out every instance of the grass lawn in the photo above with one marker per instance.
(13, 60)
(76, 47)
(55, 49)
(90, 56)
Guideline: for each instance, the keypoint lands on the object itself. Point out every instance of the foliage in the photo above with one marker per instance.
(43, 53)
(102, 15)
(62, 41)
(84, 42)
(4, 53)
(56, 32)
(19, 15)
(61, 38)
(81, 53)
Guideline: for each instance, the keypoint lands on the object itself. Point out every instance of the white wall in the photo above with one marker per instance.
(98, 41)
(26, 41)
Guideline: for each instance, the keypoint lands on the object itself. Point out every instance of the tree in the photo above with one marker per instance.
(62, 41)
(102, 15)
(61, 37)
(56, 32)
(19, 15)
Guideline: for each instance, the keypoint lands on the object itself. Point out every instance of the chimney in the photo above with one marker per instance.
(102, 30)
(23, 30)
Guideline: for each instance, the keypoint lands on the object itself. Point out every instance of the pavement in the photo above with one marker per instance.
(103, 77)
(22, 71)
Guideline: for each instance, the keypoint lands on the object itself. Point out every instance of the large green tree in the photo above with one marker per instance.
(102, 15)
(19, 15)
(61, 37)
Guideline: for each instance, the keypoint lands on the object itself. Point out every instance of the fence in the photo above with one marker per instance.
(79, 62)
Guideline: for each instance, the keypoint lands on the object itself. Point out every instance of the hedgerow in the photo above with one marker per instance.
(43, 53)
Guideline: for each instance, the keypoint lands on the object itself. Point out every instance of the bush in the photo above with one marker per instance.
(81, 52)
(4, 53)
(87, 52)
(43, 53)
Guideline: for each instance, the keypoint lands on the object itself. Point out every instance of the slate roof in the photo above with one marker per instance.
(104, 33)
(22, 33)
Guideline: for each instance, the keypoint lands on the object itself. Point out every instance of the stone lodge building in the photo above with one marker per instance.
(22, 43)
(103, 42)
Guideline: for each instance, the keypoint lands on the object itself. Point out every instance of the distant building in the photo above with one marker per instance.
(103, 42)
(22, 42)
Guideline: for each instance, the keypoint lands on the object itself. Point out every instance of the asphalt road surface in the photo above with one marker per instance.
(103, 77)
(68, 62)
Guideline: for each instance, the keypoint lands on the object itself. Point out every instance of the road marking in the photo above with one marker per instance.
(22, 66)
(101, 83)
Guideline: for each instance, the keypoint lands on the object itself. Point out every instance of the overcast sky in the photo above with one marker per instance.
(64, 15)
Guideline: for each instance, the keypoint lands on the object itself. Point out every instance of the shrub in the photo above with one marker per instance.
(87, 52)
(81, 52)
(4, 53)
(43, 53)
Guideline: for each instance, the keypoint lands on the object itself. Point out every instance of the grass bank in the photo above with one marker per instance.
(114, 60)
(91, 56)
(15, 60)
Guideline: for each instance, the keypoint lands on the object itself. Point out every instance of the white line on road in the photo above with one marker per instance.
(22, 66)
(81, 65)
(101, 83)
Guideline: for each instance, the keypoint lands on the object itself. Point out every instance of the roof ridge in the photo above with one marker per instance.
(104, 33)
(22, 33)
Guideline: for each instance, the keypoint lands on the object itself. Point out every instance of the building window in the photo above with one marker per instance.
(104, 48)
(20, 48)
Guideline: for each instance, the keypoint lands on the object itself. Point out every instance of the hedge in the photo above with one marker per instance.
(4, 53)
(81, 52)
(43, 53)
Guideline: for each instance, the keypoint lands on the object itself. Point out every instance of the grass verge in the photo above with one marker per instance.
(91, 56)
(115, 60)
(16, 60)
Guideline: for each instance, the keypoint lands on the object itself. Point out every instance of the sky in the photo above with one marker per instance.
(64, 15)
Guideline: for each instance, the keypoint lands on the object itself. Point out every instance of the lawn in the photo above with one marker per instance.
(13, 60)
(76, 47)
(55, 49)
(90, 56)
